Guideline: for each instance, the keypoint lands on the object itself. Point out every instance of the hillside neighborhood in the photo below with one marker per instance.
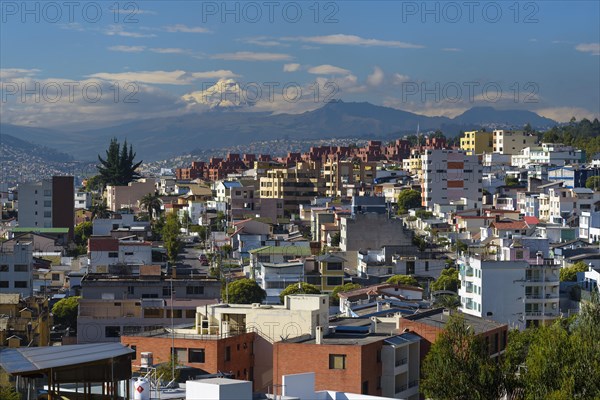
(354, 270)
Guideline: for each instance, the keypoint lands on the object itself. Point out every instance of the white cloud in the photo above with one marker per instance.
(327, 69)
(117, 30)
(252, 56)
(127, 49)
(451, 49)
(376, 78)
(592, 48)
(186, 29)
(293, 67)
(264, 41)
(352, 40)
(10, 73)
(564, 114)
(169, 50)
(397, 78)
(177, 77)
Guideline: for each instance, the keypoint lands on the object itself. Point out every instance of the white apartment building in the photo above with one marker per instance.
(511, 142)
(565, 203)
(104, 251)
(522, 291)
(554, 154)
(274, 277)
(83, 200)
(16, 268)
(450, 175)
(589, 226)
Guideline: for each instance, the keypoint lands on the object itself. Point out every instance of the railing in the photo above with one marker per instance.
(401, 388)
(413, 383)
(540, 314)
(401, 361)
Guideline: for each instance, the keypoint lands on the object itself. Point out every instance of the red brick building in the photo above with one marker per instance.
(210, 353)
(340, 362)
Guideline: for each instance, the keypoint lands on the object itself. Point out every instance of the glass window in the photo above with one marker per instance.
(337, 361)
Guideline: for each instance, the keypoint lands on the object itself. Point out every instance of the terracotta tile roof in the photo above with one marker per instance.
(509, 225)
(103, 244)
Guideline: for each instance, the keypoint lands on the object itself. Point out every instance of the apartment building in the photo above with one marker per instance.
(128, 196)
(130, 303)
(550, 154)
(47, 204)
(354, 359)
(450, 175)
(295, 186)
(511, 142)
(372, 231)
(476, 142)
(16, 268)
(104, 251)
(522, 290)
(347, 178)
(565, 204)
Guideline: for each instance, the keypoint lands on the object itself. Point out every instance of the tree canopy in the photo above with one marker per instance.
(408, 199)
(170, 235)
(584, 135)
(346, 287)
(294, 288)
(458, 366)
(152, 203)
(593, 182)
(403, 280)
(569, 274)
(448, 280)
(118, 167)
(65, 311)
(245, 291)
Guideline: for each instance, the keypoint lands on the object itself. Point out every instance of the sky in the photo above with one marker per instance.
(79, 65)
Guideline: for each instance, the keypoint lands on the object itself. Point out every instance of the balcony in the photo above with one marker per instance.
(401, 361)
(541, 315)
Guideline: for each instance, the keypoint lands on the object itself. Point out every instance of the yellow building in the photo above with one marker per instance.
(331, 268)
(477, 142)
(24, 322)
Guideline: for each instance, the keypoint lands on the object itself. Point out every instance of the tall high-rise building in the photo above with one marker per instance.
(47, 204)
(450, 175)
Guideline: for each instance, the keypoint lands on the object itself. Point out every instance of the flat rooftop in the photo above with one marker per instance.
(438, 318)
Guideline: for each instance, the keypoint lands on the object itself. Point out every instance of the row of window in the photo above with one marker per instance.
(16, 268)
(17, 284)
(166, 291)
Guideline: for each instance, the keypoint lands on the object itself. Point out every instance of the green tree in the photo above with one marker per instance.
(245, 291)
(118, 167)
(448, 280)
(335, 239)
(298, 288)
(346, 287)
(511, 181)
(93, 184)
(82, 232)
(65, 311)
(226, 250)
(593, 182)
(100, 210)
(170, 236)
(408, 199)
(403, 280)
(165, 370)
(458, 366)
(8, 393)
(152, 203)
(569, 274)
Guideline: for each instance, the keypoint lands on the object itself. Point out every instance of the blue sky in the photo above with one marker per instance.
(434, 58)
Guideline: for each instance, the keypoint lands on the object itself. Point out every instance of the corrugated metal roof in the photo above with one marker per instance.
(32, 359)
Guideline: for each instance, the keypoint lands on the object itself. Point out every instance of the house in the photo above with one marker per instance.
(16, 268)
(104, 251)
(128, 196)
(331, 268)
(375, 294)
(372, 231)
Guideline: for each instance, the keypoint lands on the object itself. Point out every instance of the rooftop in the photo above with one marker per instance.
(439, 318)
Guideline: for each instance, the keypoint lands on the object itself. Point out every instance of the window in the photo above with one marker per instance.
(4, 268)
(334, 266)
(47, 214)
(337, 361)
(129, 253)
(112, 331)
(21, 268)
(153, 313)
(113, 254)
(20, 284)
(365, 387)
(262, 258)
(130, 289)
(335, 280)
(228, 353)
(181, 355)
(3, 284)
(166, 291)
(47, 203)
(190, 313)
(194, 290)
(55, 277)
(134, 355)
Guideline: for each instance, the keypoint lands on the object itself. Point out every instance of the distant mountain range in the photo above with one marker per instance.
(162, 138)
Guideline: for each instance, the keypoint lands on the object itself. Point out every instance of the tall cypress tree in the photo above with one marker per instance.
(118, 167)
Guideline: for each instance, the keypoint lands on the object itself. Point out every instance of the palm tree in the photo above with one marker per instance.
(152, 204)
(100, 210)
